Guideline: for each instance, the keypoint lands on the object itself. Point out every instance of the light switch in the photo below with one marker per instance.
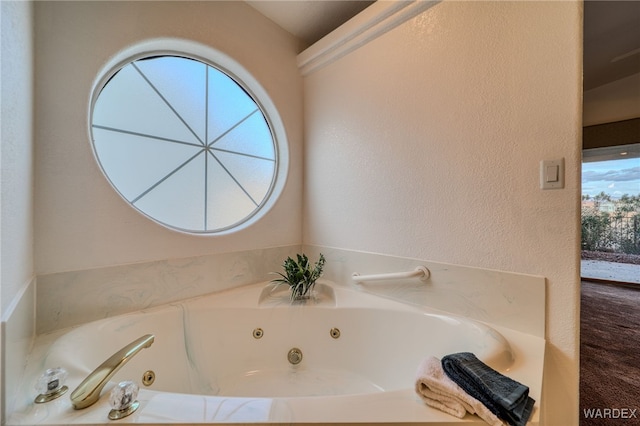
(552, 174)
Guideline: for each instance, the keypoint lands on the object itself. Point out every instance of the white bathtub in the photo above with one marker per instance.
(210, 368)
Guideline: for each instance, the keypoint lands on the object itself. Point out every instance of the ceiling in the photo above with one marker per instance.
(611, 41)
(611, 31)
(309, 20)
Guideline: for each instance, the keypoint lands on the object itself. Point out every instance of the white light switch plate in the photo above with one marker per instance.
(552, 174)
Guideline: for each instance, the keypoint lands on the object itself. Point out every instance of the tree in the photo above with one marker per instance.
(618, 230)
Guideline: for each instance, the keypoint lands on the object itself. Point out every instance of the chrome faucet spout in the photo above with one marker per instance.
(88, 392)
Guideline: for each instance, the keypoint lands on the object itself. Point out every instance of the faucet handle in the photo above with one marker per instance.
(50, 385)
(123, 400)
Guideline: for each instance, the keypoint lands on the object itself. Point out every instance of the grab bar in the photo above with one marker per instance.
(420, 272)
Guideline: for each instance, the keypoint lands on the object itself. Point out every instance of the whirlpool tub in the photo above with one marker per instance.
(248, 355)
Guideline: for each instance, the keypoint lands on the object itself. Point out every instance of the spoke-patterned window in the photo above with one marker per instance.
(184, 143)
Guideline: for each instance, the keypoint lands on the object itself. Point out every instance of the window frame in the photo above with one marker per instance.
(211, 57)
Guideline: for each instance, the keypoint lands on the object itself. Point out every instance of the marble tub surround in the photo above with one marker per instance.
(501, 298)
(71, 298)
(183, 394)
(17, 331)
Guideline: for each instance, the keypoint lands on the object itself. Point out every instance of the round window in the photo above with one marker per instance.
(184, 143)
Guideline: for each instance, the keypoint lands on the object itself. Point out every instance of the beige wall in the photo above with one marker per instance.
(16, 181)
(426, 143)
(80, 221)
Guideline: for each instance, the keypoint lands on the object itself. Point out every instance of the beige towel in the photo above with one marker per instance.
(439, 391)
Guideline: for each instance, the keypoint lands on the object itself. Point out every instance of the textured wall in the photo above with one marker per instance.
(426, 143)
(16, 214)
(80, 222)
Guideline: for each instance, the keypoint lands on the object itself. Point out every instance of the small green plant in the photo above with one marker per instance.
(300, 276)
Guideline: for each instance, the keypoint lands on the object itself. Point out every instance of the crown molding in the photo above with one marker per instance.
(372, 22)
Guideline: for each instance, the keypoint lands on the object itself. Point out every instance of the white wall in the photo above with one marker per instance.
(80, 222)
(16, 181)
(426, 143)
(17, 285)
(616, 101)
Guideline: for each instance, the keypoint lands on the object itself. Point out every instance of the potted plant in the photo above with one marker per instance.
(300, 275)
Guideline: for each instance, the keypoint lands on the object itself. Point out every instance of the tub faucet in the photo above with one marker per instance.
(88, 392)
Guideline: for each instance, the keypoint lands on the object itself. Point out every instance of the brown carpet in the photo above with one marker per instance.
(609, 355)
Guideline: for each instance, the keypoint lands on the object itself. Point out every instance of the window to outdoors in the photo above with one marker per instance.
(611, 203)
(184, 143)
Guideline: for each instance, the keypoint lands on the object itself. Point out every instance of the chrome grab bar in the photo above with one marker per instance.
(419, 272)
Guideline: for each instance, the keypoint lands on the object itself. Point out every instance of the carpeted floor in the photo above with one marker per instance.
(609, 355)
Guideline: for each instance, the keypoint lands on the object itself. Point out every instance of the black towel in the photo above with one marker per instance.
(504, 397)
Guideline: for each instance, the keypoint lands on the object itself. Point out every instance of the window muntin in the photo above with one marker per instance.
(184, 143)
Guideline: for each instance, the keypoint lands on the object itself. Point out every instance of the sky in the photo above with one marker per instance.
(615, 178)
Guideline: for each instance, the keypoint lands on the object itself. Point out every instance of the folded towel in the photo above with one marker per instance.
(439, 391)
(503, 396)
